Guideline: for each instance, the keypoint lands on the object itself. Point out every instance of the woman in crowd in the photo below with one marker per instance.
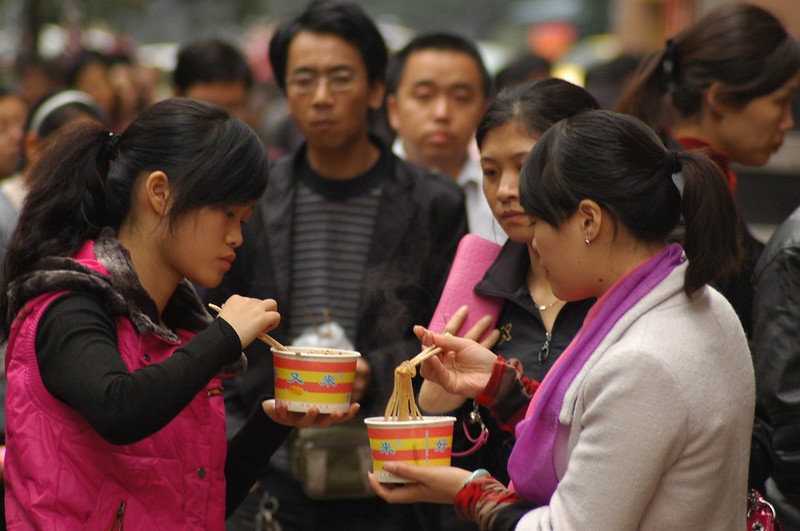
(649, 408)
(724, 84)
(535, 326)
(13, 111)
(46, 118)
(114, 406)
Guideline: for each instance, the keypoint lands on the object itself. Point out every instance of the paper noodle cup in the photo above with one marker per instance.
(321, 377)
(425, 442)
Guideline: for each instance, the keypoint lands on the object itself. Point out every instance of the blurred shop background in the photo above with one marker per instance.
(574, 36)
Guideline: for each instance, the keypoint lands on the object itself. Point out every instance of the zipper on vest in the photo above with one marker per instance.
(116, 522)
(544, 352)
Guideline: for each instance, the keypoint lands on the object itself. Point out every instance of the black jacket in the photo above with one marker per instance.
(421, 218)
(776, 350)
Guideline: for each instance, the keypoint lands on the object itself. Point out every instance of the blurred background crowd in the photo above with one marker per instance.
(123, 54)
(63, 60)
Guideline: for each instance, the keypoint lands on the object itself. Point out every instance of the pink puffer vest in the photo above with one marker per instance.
(61, 475)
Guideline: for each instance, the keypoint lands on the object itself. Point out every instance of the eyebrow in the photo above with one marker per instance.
(332, 70)
(425, 83)
(513, 156)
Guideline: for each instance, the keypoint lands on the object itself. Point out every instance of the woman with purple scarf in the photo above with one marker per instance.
(644, 422)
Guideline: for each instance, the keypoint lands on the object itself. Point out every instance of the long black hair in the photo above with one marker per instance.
(744, 47)
(85, 178)
(621, 164)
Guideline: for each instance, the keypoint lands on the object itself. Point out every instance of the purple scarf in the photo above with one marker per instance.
(532, 462)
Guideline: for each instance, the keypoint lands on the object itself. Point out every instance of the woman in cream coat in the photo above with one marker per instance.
(644, 423)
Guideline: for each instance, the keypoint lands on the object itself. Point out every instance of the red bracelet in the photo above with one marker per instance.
(467, 498)
(498, 369)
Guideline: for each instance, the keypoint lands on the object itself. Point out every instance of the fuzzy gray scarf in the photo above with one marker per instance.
(120, 293)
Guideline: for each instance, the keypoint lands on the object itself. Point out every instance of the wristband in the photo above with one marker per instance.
(480, 473)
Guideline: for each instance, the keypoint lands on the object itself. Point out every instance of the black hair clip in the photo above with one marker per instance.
(111, 146)
(668, 66)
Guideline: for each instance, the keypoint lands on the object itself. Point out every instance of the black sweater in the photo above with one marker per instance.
(80, 364)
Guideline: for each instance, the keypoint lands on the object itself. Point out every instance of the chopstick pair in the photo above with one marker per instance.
(266, 338)
(426, 353)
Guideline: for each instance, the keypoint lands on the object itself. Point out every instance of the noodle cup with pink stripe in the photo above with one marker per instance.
(308, 376)
(423, 442)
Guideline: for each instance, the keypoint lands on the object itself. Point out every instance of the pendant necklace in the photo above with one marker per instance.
(544, 307)
(540, 307)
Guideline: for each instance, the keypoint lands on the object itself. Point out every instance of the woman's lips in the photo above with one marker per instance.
(513, 215)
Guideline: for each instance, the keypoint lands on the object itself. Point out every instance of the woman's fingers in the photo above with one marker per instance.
(250, 317)
(280, 413)
(455, 322)
(437, 484)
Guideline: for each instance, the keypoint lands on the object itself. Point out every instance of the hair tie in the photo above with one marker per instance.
(112, 143)
(668, 66)
(674, 169)
(673, 164)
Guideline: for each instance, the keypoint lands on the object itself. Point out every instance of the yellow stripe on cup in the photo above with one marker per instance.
(422, 442)
(321, 378)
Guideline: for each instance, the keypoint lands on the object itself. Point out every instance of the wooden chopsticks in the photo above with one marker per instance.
(426, 353)
(266, 338)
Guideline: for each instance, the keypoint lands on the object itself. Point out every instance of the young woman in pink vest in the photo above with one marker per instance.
(115, 415)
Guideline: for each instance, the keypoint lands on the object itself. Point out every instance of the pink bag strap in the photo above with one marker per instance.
(483, 436)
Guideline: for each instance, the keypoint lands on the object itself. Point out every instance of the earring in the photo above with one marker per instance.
(586, 240)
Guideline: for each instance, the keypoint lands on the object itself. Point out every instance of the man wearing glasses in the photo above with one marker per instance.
(346, 232)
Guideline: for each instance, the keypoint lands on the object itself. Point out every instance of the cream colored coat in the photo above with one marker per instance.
(655, 430)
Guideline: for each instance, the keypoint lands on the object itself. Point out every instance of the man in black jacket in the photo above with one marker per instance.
(776, 354)
(346, 232)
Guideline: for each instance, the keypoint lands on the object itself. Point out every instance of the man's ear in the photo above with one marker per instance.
(391, 112)
(376, 93)
(157, 191)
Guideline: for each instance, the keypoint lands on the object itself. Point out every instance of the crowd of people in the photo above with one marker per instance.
(635, 370)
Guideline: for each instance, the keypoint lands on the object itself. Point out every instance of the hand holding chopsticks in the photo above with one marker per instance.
(466, 368)
(266, 338)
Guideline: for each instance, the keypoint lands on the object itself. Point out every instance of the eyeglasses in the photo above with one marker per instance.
(337, 82)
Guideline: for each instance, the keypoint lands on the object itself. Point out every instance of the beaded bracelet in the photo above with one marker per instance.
(480, 473)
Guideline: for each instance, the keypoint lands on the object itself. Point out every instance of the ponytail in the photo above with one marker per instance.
(712, 239)
(65, 205)
(86, 177)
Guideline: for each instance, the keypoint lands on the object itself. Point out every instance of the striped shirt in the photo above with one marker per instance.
(332, 233)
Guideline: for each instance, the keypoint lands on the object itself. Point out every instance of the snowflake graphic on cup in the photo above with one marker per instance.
(328, 381)
(386, 448)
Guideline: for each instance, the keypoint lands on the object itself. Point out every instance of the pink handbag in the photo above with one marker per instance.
(473, 258)
(760, 513)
